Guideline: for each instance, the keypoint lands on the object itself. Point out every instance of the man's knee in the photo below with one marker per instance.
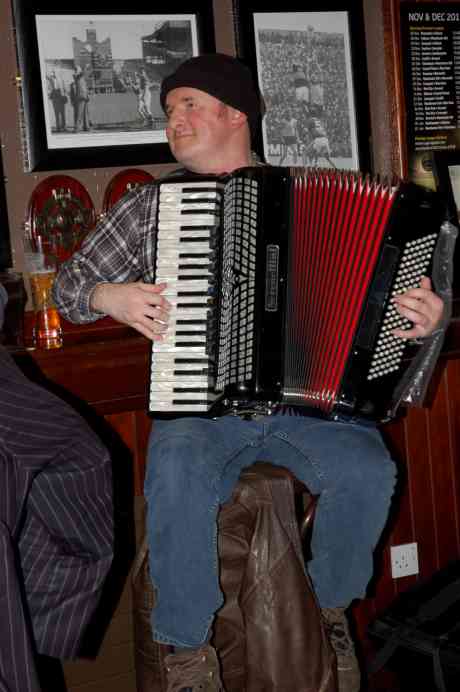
(370, 479)
(177, 457)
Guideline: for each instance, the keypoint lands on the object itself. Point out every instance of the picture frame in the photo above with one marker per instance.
(311, 71)
(445, 167)
(428, 37)
(90, 78)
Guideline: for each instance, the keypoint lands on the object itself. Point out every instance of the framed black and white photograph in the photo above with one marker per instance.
(91, 78)
(310, 67)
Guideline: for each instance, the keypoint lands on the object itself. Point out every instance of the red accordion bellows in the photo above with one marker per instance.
(335, 216)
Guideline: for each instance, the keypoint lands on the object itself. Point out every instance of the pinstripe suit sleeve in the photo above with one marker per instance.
(56, 510)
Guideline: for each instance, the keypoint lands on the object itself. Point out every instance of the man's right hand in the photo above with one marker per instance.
(139, 305)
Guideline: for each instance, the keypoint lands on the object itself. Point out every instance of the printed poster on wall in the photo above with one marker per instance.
(431, 56)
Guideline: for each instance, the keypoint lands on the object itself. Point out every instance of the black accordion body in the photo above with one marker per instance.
(282, 282)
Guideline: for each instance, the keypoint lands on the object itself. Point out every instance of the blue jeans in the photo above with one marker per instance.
(193, 466)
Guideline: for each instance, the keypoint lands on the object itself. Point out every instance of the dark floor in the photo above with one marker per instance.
(410, 672)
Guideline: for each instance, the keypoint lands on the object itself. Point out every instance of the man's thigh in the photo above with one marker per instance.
(330, 453)
(200, 446)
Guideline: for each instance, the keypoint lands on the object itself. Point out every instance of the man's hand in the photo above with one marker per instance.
(139, 305)
(422, 307)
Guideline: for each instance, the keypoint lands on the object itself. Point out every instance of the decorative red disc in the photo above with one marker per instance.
(122, 183)
(62, 213)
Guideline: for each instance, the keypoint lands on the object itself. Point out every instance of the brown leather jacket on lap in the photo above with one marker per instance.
(268, 634)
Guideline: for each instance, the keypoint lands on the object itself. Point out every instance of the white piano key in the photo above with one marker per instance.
(175, 286)
(181, 260)
(183, 302)
(188, 351)
(185, 248)
(199, 206)
(168, 233)
(175, 221)
(166, 370)
(191, 381)
(189, 338)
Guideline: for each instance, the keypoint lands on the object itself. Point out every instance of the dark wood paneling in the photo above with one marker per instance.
(133, 427)
(103, 371)
(426, 443)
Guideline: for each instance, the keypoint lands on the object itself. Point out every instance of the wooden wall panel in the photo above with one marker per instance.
(443, 474)
(426, 443)
(133, 427)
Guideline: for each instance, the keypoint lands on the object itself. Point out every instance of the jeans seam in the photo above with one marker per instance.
(308, 457)
(215, 561)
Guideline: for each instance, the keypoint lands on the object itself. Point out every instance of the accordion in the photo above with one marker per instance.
(281, 282)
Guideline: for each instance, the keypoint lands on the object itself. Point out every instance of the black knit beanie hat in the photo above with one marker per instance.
(221, 76)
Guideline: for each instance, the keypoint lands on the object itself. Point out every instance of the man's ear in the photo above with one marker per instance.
(237, 118)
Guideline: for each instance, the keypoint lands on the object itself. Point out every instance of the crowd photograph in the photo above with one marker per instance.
(305, 76)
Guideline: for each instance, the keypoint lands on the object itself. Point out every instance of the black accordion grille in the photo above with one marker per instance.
(389, 349)
(236, 344)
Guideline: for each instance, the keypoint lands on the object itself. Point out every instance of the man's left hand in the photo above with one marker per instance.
(422, 307)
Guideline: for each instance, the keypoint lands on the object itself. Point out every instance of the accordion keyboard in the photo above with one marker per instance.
(188, 219)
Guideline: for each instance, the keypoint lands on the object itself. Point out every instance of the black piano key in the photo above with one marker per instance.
(189, 344)
(190, 402)
(195, 255)
(199, 200)
(205, 228)
(192, 373)
(192, 294)
(198, 212)
(178, 361)
(181, 334)
(202, 189)
(190, 390)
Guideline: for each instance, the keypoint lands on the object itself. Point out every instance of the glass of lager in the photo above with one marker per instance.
(47, 331)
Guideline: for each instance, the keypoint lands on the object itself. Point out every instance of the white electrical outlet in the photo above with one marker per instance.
(404, 560)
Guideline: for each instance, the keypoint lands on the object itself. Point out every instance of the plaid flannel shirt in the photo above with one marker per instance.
(121, 249)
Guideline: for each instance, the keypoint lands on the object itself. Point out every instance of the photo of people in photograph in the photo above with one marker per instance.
(101, 75)
(305, 75)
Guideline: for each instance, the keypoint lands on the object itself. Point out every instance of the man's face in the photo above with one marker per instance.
(198, 127)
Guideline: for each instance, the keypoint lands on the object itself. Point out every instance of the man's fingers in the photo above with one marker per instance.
(148, 330)
(422, 307)
(156, 290)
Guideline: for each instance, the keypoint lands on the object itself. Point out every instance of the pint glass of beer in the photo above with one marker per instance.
(47, 332)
